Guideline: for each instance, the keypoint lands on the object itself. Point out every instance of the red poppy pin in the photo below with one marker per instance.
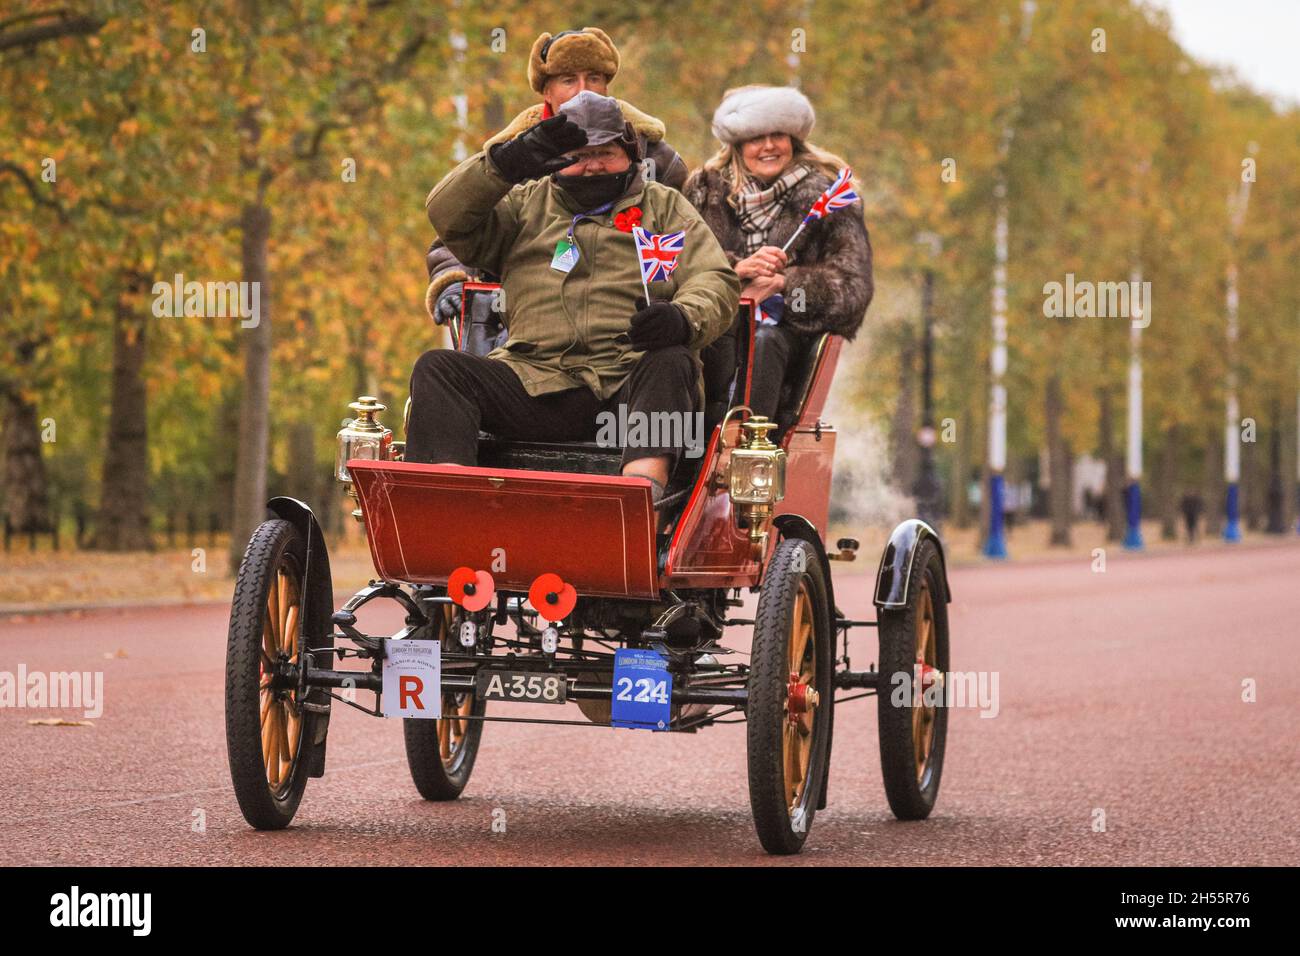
(628, 219)
(471, 589)
(552, 597)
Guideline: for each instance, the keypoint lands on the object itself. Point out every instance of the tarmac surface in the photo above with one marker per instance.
(1119, 702)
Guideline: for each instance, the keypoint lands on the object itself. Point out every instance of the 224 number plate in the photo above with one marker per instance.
(522, 687)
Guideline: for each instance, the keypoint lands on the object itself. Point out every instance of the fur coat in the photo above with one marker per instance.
(830, 261)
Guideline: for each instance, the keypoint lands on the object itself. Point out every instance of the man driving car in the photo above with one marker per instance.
(550, 211)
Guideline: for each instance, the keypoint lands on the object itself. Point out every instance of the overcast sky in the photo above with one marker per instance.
(1258, 38)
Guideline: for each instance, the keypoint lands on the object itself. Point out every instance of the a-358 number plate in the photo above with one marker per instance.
(525, 687)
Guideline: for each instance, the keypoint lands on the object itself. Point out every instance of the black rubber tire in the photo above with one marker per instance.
(433, 778)
(768, 690)
(272, 542)
(911, 798)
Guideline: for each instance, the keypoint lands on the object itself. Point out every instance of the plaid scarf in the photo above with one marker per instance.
(758, 205)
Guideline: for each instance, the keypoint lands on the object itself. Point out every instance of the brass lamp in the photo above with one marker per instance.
(362, 437)
(756, 479)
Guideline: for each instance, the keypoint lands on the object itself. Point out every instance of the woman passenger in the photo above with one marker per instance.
(753, 193)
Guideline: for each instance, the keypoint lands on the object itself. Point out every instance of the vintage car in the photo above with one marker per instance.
(544, 576)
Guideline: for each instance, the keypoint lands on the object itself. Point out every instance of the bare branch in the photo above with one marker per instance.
(38, 195)
(65, 26)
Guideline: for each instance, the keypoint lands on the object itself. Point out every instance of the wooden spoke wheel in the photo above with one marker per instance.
(279, 706)
(266, 725)
(912, 716)
(790, 697)
(441, 753)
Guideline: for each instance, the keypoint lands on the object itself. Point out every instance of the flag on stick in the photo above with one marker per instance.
(837, 195)
(658, 255)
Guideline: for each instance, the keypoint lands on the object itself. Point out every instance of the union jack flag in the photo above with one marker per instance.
(838, 195)
(658, 254)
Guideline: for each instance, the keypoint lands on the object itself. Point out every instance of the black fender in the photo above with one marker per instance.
(896, 564)
(797, 526)
(318, 605)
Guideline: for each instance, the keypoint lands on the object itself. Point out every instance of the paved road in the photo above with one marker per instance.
(1119, 692)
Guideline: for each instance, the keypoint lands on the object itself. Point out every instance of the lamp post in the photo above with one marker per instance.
(926, 489)
(995, 544)
(1232, 418)
(1133, 454)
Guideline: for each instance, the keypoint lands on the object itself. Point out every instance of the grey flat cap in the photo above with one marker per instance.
(599, 116)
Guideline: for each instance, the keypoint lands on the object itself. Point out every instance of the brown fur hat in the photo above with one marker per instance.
(589, 49)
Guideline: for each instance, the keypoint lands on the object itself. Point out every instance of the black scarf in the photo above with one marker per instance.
(592, 191)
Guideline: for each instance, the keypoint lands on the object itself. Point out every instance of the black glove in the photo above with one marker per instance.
(659, 326)
(449, 302)
(539, 150)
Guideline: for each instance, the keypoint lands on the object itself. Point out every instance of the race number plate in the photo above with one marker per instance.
(412, 679)
(643, 688)
(527, 687)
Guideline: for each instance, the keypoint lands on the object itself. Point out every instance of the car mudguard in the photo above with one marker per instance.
(896, 564)
(318, 610)
(797, 526)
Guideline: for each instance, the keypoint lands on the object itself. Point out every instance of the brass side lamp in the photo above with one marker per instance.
(362, 437)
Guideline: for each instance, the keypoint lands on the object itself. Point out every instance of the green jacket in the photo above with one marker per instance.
(564, 327)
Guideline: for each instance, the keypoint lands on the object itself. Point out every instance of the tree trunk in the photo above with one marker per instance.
(254, 406)
(304, 477)
(1113, 494)
(1214, 489)
(1058, 463)
(959, 475)
(123, 522)
(1167, 498)
(903, 432)
(25, 485)
(1248, 489)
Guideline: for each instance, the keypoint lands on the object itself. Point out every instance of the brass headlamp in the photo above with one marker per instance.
(756, 479)
(362, 437)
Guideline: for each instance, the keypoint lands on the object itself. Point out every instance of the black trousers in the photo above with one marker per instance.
(775, 347)
(454, 395)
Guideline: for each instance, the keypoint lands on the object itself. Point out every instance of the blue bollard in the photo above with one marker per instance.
(995, 546)
(1232, 528)
(1133, 508)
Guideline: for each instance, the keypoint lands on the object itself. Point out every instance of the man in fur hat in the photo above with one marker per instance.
(560, 66)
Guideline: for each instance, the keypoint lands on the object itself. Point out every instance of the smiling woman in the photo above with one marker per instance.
(754, 193)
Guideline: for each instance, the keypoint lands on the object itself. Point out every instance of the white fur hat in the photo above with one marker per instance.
(750, 111)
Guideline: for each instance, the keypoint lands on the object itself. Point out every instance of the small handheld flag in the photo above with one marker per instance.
(837, 195)
(658, 255)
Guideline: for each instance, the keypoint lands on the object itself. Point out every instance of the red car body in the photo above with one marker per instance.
(595, 531)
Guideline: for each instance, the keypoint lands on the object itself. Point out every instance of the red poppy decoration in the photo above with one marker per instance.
(471, 589)
(552, 597)
(628, 219)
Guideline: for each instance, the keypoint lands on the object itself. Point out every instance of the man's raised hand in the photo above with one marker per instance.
(539, 150)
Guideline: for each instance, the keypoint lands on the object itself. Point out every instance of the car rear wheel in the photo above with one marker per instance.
(441, 753)
(912, 716)
(790, 698)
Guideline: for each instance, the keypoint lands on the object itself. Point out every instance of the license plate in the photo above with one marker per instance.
(526, 687)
